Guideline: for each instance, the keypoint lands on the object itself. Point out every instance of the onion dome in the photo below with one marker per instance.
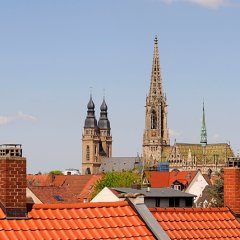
(91, 104)
(104, 106)
(103, 122)
(90, 121)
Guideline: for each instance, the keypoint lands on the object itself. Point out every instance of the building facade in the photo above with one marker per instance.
(96, 139)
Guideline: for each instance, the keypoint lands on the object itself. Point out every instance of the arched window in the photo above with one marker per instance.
(153, 120)
(88, 171)
(88, 153)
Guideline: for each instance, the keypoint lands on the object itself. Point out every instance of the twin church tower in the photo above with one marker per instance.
(97, 139)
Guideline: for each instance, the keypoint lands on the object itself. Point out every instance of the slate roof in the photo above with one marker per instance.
(166, 179)
(197, 223)
(119, 164)
(76, 221)
(156, 192)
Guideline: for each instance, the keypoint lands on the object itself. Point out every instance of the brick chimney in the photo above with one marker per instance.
(232, 189)
(13, 181)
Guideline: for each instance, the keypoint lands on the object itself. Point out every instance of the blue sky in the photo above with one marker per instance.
(52, 52)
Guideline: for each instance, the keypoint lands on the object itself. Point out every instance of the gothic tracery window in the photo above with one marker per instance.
(153, 120)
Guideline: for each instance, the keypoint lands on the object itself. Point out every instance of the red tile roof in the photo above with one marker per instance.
(47, 194)
(78, 186)
(198, 223)
(87, 190)
(77, 221)
(39, 180)
(165, 179)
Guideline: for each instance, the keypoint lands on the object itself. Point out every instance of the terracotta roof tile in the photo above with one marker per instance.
(77, 221)
(72, 188)
(198, 223)
(166, 179)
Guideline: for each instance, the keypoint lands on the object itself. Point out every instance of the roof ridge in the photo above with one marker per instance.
(80, 205)
(222, 209)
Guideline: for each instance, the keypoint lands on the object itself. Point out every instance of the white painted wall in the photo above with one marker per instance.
(105, 195)
(197, 185)
(29, 193)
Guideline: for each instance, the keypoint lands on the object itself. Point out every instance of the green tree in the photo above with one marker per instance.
(217, 191)
(56, 172)
(116, 179)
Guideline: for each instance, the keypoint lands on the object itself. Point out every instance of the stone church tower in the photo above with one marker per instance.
(156, 134)
(96, 139)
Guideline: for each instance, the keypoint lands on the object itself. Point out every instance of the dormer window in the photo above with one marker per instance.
(177, 187)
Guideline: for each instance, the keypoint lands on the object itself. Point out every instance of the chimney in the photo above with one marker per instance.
(13, 181)
(232, 189)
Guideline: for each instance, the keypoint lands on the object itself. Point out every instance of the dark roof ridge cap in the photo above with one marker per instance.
(220, 209)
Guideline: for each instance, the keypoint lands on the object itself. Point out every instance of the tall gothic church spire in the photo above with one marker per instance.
(156, 132)
(203, 140)
(156, 79)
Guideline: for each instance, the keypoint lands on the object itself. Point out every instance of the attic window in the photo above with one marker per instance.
(58, 198)
(177, 187)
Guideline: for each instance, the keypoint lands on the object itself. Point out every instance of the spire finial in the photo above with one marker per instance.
(104, 92)
(90, 92)
(203, 129)
(156, 39)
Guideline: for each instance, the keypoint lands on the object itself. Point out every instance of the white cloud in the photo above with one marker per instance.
(27, 117)
(213, 4)
(19, 116)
